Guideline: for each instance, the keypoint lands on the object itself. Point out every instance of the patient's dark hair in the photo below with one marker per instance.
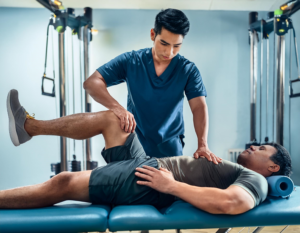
(283, 159)
(173, 20)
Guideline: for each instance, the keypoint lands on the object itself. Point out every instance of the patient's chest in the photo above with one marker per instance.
(201, 172)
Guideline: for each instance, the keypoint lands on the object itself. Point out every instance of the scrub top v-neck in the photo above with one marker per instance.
(156, 101)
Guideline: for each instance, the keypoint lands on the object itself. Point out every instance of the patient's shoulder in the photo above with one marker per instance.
(254, 183)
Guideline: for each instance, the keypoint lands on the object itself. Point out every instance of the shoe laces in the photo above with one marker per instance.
(30, 116)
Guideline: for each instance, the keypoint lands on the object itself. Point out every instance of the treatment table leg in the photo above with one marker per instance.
(258, 229)
(284, 229)
(223, 230)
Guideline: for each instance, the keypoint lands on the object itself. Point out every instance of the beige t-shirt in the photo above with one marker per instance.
(203, 173)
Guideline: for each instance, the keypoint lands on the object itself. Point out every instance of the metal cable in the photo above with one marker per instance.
(296, 51)
(261, 78)
(73, 83)
(53, 56)
(46, 49)
(67, 89)
(274, 82)
(267, 85)
(290, 78)
(56, 86)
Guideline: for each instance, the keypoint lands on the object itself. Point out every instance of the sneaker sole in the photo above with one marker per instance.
(12, 124)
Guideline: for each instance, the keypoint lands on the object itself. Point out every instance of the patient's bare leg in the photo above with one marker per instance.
(81, 126)
(64, 186)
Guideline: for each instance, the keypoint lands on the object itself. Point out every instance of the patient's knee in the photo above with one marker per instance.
(111, 118)
(61, 181)
(111, 115)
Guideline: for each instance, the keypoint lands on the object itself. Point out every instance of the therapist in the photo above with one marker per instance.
(157, 79)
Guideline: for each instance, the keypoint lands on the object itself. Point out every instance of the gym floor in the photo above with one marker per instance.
(276, 229)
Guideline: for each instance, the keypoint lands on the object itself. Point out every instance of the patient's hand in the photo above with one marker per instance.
(161, 180)
(203, 151)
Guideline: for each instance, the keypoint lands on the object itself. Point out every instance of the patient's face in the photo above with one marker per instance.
(257, 158)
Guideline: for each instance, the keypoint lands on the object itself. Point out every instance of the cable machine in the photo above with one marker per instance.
(80, 26)
(280, 23)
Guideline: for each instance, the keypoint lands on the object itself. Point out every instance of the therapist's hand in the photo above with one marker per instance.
(127, 120)
(203, 151)
(161, 180)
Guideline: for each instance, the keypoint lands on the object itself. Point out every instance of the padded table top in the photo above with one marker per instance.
(181, 215)
(85, 217)
(81, 217)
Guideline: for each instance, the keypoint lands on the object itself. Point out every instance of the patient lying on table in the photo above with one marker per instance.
(230, 188)
(131, 177)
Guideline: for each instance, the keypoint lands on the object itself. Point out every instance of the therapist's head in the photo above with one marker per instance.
(271, 159)
(170, 27)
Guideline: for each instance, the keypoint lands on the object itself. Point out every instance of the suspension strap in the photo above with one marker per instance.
(296, 52)
(51, 94)
(292, 94)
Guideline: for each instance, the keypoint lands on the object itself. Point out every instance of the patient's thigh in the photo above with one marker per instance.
(78, 187)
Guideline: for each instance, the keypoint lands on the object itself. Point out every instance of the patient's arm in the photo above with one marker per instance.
(233, 200)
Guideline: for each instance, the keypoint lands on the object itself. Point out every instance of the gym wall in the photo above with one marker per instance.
(217, 43)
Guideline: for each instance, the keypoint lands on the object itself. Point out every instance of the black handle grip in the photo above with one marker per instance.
(53, 89)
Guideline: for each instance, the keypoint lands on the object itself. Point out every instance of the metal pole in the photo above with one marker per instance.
(81, 56)
(274, 81)
(280, 88)
(62, 98)
(253, 83)
(84, 65)
(86, 43)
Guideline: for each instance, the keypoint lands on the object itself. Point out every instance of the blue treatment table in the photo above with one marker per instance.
(180, 215)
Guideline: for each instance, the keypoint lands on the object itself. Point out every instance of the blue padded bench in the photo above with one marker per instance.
(180, 215)
(59, 218)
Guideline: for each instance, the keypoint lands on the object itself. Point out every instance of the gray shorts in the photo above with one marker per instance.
(115, 183)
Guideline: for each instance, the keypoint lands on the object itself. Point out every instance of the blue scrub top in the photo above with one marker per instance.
(156, 101)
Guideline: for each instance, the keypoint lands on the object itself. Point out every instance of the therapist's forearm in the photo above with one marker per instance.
(212, 200)
(200, 117)
(97, 89)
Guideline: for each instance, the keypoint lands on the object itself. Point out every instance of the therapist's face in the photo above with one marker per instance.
(166, 44)
(257, 158)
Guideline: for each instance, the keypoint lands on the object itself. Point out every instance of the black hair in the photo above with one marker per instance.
(283, 159)
(172, 20)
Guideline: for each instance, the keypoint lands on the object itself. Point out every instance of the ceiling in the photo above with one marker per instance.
(236, 5)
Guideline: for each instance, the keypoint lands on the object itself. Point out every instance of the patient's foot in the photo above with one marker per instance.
(17, 117)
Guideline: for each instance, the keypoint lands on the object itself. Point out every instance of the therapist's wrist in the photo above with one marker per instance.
(202, 144)
(116, 106)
